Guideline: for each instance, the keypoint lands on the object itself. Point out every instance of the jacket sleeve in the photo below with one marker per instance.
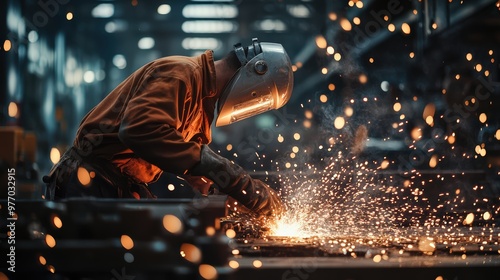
(149, 122)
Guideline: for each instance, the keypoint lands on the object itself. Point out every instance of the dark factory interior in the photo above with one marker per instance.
(385, 158)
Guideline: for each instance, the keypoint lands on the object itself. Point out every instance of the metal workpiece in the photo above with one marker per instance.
(459, 256)
(481, 267)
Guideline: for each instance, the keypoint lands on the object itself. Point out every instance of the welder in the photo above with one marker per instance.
(159, 120)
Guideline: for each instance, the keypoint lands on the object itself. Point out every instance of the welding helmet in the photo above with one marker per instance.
(262, 83)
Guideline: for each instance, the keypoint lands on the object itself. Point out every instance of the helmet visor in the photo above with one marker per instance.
(251, 108)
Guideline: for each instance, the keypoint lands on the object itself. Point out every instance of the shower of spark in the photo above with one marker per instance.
(346, 197)
(421, 193)
(344, 194)
(289, 226)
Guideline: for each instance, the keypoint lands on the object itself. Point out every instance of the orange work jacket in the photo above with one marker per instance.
(155, 120)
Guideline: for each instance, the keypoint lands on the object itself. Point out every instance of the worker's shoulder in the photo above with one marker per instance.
(176, 62)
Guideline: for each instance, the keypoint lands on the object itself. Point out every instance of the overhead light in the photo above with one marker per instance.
(298, 11)
(146, 43)
(119, 61)
(115, 26)
(270, 25)
(110, 27)
(200, 43)
(12, 81)
(89, 76)
(33, 36)
(13, 17)
(164, 9)
(384, 86)
(209, 26)
(210, 11)
(104, 10)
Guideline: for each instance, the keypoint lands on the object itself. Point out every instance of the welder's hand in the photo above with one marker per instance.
(266, 201)
(200, 183)
(235, 182)
(262, 201)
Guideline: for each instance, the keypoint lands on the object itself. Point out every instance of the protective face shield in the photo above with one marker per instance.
(263, 82)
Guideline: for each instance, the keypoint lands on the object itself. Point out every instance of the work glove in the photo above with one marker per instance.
(235, 182)
(200, 183)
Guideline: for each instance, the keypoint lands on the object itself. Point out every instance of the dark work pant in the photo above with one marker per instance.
(74, 176)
